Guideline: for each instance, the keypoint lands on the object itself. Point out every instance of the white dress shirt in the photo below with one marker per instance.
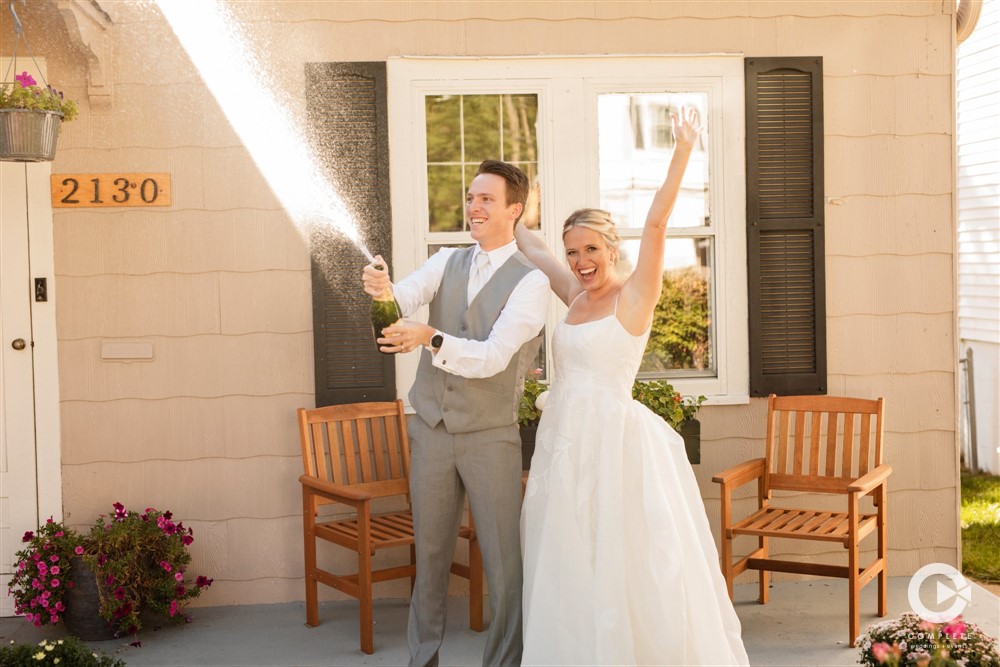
(520, 320)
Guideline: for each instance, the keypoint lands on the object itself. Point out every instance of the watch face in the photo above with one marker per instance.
(437, 341)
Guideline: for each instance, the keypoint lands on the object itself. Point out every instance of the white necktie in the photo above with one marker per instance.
(479, 275)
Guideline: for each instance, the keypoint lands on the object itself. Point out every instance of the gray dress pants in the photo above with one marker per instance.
(443, 468)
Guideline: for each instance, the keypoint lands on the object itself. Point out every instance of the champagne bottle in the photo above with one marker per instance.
(385, 311)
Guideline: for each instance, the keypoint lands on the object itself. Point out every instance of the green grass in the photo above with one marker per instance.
(981, 527)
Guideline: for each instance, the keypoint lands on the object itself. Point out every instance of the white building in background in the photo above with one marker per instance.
(978, 120)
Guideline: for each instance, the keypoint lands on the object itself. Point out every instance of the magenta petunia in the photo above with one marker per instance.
(27, 536)
(54, 558)
(54, 569)
(166, 566)
(119, 593)
(78, 550)
(54, 583)
(203, 581)
(25, 79)
(186, 540)
(179, 576)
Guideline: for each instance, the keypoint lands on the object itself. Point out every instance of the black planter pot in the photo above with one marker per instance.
(83, 604)
(691, 432)
(527, 445)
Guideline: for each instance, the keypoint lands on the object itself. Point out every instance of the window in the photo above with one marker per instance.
(589, 136)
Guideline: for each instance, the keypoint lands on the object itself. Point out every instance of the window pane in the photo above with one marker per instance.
(635, 143)
(443, 114)
(464, 130)
(481, 120)
(682, 340)
(519, 115)
(445, 198)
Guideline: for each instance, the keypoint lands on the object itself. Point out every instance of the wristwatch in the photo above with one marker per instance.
(437, 340)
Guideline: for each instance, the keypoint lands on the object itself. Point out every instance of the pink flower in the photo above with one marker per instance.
(955, 629)
(203, 581)
(25, 79)
(119, 593)
(179, 576)
(174, 607)
(27, 536)
(179, 590)
(54, 558)
(78, 551)
(60, 534)
(54, 583)
(880, 651)
(110, 579)
(54, 569)
(186, 540)
(166, 566)
(43, 569)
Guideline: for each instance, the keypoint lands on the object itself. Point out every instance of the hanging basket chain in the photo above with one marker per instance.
(18, 35)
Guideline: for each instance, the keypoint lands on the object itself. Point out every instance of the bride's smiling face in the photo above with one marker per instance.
(590, 258)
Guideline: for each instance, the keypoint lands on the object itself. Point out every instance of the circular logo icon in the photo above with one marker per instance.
(961, 593)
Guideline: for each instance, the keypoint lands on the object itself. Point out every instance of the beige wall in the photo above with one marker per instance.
(220, 281)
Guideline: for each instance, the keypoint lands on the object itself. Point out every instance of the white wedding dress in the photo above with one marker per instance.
(620, 566)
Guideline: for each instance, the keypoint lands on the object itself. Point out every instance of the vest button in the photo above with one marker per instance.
(449, 388)
(462, 328)
(444, 409)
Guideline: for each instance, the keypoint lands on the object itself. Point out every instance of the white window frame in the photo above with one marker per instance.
(567, 89)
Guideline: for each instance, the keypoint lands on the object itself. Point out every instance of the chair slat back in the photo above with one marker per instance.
(355, 443)
(810, 438)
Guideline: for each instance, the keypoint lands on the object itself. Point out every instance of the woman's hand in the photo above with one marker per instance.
(686, 127)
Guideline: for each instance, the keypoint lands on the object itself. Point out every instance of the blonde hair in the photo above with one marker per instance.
(595, 220)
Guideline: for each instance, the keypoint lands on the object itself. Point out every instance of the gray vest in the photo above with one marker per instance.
(478, 404)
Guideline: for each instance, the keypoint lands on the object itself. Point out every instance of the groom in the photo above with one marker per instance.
(487, 307)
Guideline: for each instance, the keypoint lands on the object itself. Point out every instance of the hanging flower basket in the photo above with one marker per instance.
(28, 135)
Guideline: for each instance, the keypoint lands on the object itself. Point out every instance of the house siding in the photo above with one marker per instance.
(219, 281)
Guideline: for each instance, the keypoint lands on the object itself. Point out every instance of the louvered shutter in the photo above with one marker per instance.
(347, 116)
(786, 283)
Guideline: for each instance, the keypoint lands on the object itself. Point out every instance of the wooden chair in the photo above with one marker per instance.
(355, 455)
(815, 444)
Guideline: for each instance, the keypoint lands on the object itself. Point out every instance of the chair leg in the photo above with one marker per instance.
(413, 562)
(727, 562)
(309, 549)
(852, 571)
(475, 586)
(365, 582)
(883, 543)
(764, 575)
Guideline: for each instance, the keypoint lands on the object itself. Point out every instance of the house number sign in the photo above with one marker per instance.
(90, 190)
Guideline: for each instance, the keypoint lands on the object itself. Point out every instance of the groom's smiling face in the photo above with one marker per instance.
(490, 218)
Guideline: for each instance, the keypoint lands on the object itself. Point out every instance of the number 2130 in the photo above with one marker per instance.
(91, 190)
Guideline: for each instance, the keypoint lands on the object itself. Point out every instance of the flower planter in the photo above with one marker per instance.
(83, 604)
(527, 445)
(691, 432)
(28, 136)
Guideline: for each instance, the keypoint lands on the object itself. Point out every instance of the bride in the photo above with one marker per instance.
(620, 566)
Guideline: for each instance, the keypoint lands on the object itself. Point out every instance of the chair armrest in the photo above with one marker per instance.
(338, 492)
(740, 474)
(870, 480)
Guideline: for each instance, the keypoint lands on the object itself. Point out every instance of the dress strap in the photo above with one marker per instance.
(615, 311)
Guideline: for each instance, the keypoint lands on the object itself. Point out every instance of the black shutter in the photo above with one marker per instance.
(784, 113)
(347, 114)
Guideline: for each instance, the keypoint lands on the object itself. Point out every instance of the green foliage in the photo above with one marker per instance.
(527, 413)
(42, 572)
(680, 335)
(68, 652)
(981, 526)
(36, 98)
(661, 397)
(140, 560)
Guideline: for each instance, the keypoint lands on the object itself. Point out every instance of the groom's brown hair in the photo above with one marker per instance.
(517, 180)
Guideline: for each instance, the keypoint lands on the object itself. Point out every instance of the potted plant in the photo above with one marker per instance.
(528, 414)
(678, 411)
(30, 119)
(911, 641)
(131, 564)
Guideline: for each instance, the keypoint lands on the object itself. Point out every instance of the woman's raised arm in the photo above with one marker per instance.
(561, 280)
(642, 290)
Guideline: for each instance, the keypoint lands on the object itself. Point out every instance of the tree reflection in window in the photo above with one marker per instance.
(464, 130)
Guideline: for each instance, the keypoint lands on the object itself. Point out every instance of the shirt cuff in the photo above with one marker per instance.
(445, 357)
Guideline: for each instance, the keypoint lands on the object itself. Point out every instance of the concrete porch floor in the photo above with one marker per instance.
(805, 623)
